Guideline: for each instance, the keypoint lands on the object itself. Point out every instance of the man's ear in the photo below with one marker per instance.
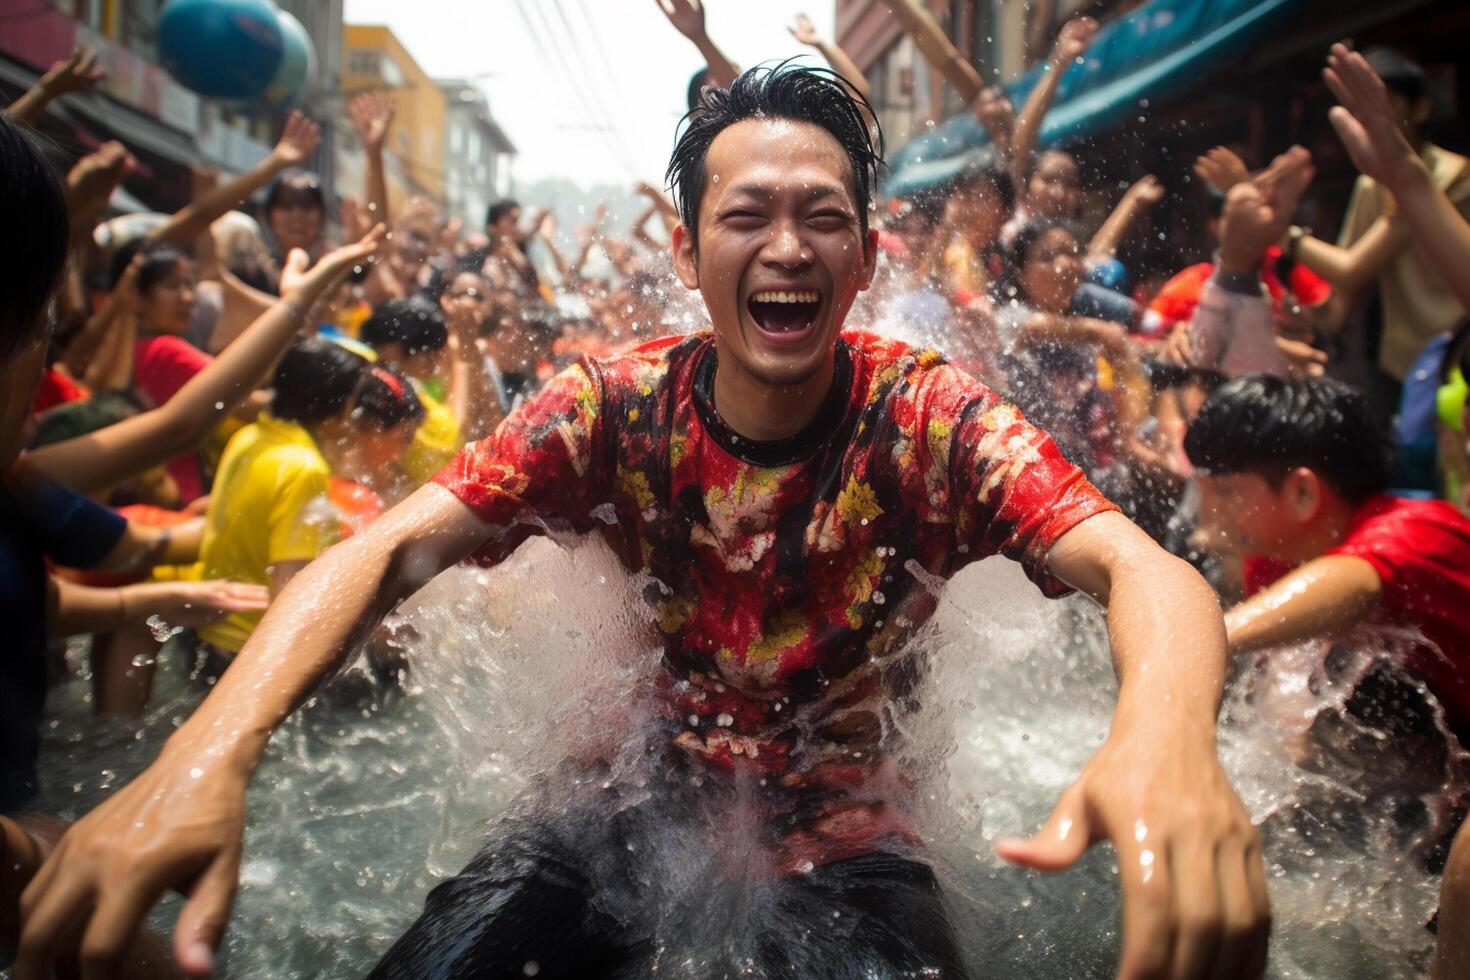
(685, 258)
(1420, 112)
(870, 257)
(1302, 491)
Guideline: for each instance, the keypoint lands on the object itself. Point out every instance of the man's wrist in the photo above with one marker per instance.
(1238, 271)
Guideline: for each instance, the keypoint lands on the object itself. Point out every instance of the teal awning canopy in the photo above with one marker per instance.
(1153, 54)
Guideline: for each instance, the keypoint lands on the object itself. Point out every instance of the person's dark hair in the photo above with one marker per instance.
(499, 209)
(1268, 425)
(35, 240)
(297, 183)
(1457, 352)
(1214, 200)
(1008, 286)
(158, 261)
(695, 91)
(414, 324)
(315, 381)
(1164, 375)
(1399, 72)
(995, 179)
(782, 91)
(386, 399)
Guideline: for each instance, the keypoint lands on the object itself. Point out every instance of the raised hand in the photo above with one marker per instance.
(1074, 39)
(334, 266)
(687, 16)
(805, 31)
(371, 114)
(1257, 212)
(1221, 167)
(298, 139)
(1147, 190)
(77, 73)
(1366, 121)
(90, 183)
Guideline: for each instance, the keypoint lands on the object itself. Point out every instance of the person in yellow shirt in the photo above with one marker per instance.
(412, 337)
(270, 513)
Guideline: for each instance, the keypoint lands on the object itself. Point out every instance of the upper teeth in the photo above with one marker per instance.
(807, 296)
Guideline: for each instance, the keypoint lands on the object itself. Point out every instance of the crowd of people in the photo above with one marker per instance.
(201, 409)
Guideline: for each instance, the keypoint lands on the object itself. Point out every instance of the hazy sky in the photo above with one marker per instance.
(615, 123)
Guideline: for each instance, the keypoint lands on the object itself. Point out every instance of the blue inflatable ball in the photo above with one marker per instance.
(298, 64)
(223, 49)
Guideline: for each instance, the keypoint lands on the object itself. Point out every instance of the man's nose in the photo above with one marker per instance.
(786, 247)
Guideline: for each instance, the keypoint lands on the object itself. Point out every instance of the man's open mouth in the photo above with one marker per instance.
(785, 312)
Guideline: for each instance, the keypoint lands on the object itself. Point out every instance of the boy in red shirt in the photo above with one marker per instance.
(1298, 470)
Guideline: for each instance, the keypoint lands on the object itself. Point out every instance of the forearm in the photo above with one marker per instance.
(845, 66)
(31, 106)
(182, 227)
(1033, 113)
(722, 71)
(377, 186)
(1104, 244)
(936, 48)
(1440, 232)
(1322, 598)
(325, 611)
(78, 609)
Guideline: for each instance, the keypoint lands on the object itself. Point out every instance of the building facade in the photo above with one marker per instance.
(374, 59)
(478, 156)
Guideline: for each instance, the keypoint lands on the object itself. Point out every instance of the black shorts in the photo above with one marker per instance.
(613, 890)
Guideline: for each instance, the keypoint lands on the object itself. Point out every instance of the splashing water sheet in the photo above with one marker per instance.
(367, 798)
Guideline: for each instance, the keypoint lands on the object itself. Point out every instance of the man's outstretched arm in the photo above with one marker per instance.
(1194, 888)
(180, 823)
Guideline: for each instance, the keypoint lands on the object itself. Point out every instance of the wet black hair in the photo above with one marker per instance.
(159, 259)
(499, 209)
(1269, 426)
(1399, 72)
(295, 180)
(1164, 375)
(35, 240)
(782, 91)
(996, 179)
(386, 399)
(315, 380)
(414, 324)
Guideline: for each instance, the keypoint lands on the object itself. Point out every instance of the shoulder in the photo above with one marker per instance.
(1414, 527)
(645, 366)
(921, 375)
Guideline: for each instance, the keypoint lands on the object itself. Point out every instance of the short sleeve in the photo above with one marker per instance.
(301, 522)
(538, 465)
(1013, 491)
(1419, 552)
(74, 531)
(163, 365)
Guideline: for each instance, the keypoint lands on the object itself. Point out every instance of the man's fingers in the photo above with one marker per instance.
(1238, 920)
(50, 919)
(203, 920)
(1197, 906)
(110, 932)
(1148, 911)
(1255, 875)
(1064, 838)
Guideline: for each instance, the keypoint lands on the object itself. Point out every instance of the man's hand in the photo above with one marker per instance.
(298, 139)
(309, 285)
(1223, 168)
(180, 825)
(1366, 121)
(76, 74)
(1147, 190)
(1073, 40)
(371, 114)
(805, 31)
(687, 16)
(1194, 888)
(90, 183)
(195, 604)
(1257, 212)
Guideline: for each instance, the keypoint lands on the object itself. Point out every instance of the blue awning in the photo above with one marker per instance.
(1153, 54)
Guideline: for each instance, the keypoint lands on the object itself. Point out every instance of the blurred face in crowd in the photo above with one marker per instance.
(506, 226)
(168, 304)
(977, 211)
(19, 377)
(1258, 517)
(466, 302)
(420, 365)
(1055, 187)
(295, 219)
(361, 451)
(781, 255)
(1053, 271)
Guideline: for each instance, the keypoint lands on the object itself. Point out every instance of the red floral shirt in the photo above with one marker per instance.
(790, 572)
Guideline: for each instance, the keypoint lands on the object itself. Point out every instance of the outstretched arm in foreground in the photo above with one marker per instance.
(1365, 122)
(180, 823)
(1194, 886)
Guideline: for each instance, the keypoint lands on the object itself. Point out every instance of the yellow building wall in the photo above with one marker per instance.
(416, 138)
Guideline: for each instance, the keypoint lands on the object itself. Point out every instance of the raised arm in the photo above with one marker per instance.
(687, 16)
(806, 32)
(298, 139)
(372, 114)
(936, 48)
(1073, 40)
(1194, 888)
(1325, 597)
(76, 74)
(1135, 201)
(102, 458)
(1365, 122)
(181, 822)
